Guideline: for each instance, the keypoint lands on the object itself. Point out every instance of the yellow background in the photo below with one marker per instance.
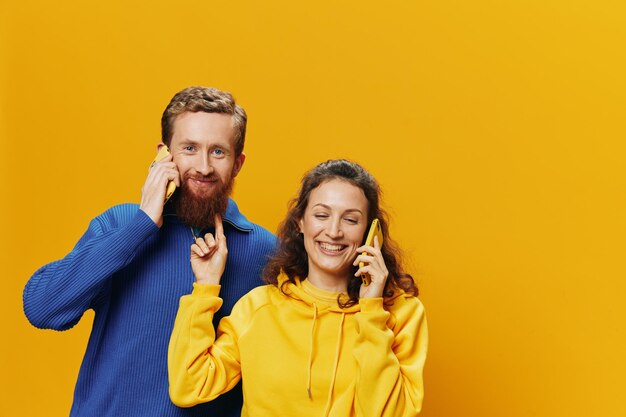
(496, 129)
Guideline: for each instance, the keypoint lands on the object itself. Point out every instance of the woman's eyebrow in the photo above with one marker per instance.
(326, 206)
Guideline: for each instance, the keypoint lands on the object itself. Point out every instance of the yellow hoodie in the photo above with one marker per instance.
(300, 354)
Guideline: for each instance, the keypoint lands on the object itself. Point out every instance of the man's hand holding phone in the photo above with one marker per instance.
(162, 173)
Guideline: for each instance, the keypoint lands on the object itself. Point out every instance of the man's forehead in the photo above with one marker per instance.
(203, 128)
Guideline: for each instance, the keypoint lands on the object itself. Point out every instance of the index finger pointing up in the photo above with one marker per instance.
(219, 227)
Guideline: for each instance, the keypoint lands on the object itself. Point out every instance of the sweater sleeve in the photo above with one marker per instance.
(200, 368)
(390, 361)
(58, 294)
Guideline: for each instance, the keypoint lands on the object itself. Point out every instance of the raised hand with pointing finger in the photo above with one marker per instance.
(208, 255)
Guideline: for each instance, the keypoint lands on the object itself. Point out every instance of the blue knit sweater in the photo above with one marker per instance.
(132, 274)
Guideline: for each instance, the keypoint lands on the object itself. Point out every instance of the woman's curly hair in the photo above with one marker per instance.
(291, 257)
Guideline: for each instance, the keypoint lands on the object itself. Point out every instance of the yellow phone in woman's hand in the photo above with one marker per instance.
(375, 230)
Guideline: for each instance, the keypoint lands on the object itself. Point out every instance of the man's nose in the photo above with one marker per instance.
(204, 166)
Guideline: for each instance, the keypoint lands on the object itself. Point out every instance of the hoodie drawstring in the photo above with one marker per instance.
(308, 387)
(332, 380)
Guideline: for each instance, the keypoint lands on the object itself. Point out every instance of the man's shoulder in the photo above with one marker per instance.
(240, 222)
(255, 243)
(263, 234)
(118, 215)
(259, 241)
(121, 211)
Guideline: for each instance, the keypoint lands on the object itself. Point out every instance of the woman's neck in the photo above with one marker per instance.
(328, 282)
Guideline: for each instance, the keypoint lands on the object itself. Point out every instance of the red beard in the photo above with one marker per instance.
(199, 211)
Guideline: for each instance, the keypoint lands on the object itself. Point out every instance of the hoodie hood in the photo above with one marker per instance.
(295, 291)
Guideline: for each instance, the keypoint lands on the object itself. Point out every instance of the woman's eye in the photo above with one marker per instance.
(352, 221)
(321, 216)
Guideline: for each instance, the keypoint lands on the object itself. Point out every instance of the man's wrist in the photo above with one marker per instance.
(158, 220)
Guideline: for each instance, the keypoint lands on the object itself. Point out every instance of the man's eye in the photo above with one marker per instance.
(218, 152)
(189, 148)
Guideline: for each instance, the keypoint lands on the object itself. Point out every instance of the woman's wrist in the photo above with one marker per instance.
(206, 290)
(208, 280)
(372, 291)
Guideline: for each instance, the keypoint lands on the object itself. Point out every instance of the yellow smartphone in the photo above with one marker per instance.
(171, 185)
(375, 230)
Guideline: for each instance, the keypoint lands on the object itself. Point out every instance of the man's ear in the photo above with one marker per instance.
(239, 160)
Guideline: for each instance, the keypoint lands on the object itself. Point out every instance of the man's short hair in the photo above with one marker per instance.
(208, 100)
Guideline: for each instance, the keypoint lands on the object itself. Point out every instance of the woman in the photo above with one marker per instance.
(315, 341)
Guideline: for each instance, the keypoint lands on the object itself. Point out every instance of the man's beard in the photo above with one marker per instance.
(199, 210)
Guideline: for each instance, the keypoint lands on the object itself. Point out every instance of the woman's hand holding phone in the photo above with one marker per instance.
(374, 266)
(209, 254)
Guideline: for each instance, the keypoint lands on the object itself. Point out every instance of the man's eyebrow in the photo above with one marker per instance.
(189, 142)
(217, 144)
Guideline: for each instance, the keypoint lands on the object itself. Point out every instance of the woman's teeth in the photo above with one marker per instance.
(331, 247)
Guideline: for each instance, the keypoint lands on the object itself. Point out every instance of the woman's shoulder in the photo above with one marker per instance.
(403, 307)
(258, 298)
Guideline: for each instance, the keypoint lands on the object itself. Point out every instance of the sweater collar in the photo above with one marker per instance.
(232, 216)
(235, 218)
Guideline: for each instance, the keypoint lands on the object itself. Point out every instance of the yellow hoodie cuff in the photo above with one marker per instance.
(206, 290)
(371, 305)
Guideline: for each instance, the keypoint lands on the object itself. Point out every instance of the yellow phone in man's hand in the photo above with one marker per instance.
(171, 185)
(375, 230)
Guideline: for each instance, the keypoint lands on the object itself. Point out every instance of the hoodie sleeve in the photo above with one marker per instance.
(58, 294)
(390, 361)
(200, 368)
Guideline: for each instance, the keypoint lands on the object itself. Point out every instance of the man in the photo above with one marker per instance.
(132, 265)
